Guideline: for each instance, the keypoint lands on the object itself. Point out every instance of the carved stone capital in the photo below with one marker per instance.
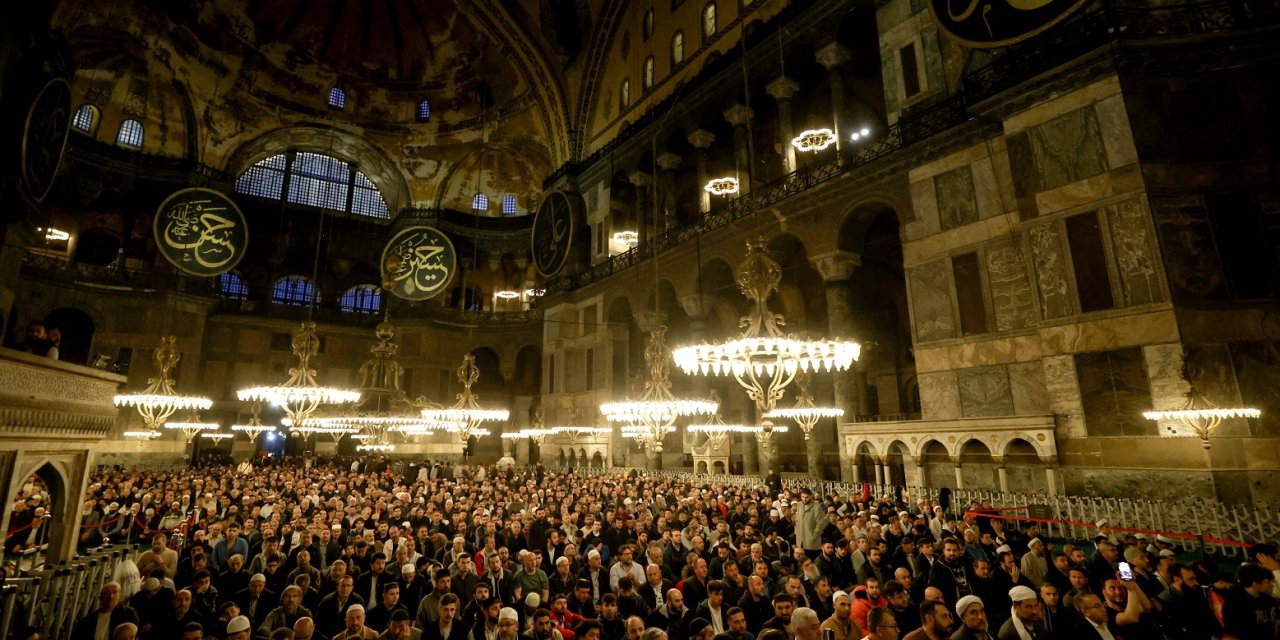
(833, 55)
(701, 138)
(669, 160)
(836, 266)
(640, 178)
(738, 115)
(782, 88)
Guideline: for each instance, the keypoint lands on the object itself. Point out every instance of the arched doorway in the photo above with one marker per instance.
(597, 460)
(864, 464)
(1024, 471)
(977, 467)
(573, 458)
(718, 468)
(76, 328)
(702, 466)
(938, 470)
(895, 466)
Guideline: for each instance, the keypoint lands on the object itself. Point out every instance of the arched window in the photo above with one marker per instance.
(648, 73)
(365, 298)
(232, 287)
(86, 119)
(130, 135)
(508, 205)
(708, 21)
(480, 202)
(677, 49)
(315, 180)
(337, 98)
(624, 95)
(424, 111)
(295, 291)
(647, 27)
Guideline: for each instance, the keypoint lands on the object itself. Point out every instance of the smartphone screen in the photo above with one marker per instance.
(1126, 572)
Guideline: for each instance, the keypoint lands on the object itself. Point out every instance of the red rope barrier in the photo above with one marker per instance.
(1077, 523)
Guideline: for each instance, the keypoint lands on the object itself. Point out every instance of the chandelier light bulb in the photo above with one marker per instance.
(722, 186)
(814, 140)
(507, 294)
(629, 238)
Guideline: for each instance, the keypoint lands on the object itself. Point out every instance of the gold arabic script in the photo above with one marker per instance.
(200, 231)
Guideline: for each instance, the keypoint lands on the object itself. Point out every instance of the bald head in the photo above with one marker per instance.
(933, 593)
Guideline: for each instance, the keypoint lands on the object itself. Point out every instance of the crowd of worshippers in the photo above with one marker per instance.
(477, 554)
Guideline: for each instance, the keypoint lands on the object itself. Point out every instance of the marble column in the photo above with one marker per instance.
(701, 141)
(666, 186)
(920, 480)
(849, 387)
(832, 57)
(1002, 474)
(959, 473)
(879, 472)
(1050, 473)
(908, 465)
(739, 115)
(782, 89)
(643, 207)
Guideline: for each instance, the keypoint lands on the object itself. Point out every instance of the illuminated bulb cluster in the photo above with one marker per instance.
(142, 435)
(722, 186)
(581, 431)
(814, 140)
(726, 428)
(800, 413)
(629, 238)
(507, 294)
(534, 293)
(765, 355)
(454, 416)
(656, 411)
(1202, 414)
(641, 431)
(861, 133)
(378, 448)
(216, 436)
(283, 395)
(163, 402)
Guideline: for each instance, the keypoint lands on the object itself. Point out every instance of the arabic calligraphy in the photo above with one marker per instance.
(994, 23)
(552, 234)
(201, 231)
(419, 261)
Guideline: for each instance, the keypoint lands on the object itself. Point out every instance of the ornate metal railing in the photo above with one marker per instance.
(1192, 18)
(400, 312)
(1196, 525)
(902, 134)
(62, 271)
(54, 598)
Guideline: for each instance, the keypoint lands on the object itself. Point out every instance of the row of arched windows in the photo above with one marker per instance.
(316, 180)
(338, 100)
(86, 121)
(299, 291)
(480, 203)
(709, 28)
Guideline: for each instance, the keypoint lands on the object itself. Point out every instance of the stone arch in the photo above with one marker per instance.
(597, 460)
(366, 157)
(564, 457)
(895, 463)
(54, 475)
(573, 457)
(864, 460)
(718, 468)
(77, 328)
(977, 464)
(1024, 468)
(527, 379)
(1040, 447)
(702, 467)
(801, 295)
(935, 459)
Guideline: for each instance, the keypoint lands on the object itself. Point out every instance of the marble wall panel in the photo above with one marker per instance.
(1011, 296)
(1068, 148)
(924, 204)
(1048, 255)
(931, 300)
(1114, 392)
(985, 392)
(1136, 256)
(1027, 384)
(1063, 390)
(1257, 368)
(957, 204)
(986, 189)
(1190, 258)
(939, 396)
(1211, 368)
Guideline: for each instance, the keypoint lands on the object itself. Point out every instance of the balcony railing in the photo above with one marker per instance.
(61, 271)
(400, 312)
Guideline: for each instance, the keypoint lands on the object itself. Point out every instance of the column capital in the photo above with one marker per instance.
(782, 88)
(836, 266)
(669, 160)
(701, 138)
(640, 178)
(697, 305)
(833, 55)
(648, 319)
(738, 115)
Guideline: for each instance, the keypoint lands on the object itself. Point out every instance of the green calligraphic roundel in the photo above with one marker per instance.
(996, 23)
(201, 231)
(418, 262)
(552, 234)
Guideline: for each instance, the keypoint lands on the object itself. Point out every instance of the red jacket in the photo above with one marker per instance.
(568, 620)
(862, 605)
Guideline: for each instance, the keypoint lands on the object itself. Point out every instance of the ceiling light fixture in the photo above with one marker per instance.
(467, 411)
(1198, 415)
(301, 394)
(158, 402)
(722, 186)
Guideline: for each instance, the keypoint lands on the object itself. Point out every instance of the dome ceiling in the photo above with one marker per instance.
(493, 73)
